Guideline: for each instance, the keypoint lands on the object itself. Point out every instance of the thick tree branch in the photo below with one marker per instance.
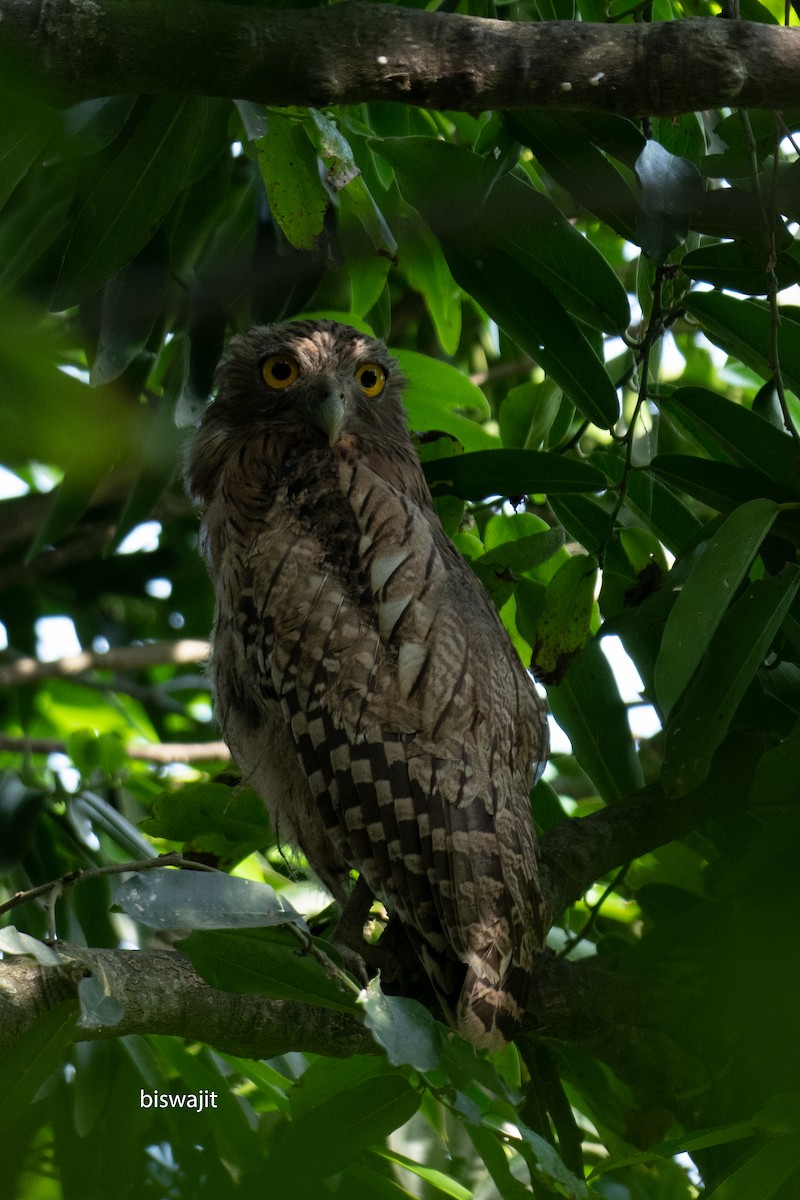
(614, 1018)
(355, 52)
(575, 854)
(162, 993)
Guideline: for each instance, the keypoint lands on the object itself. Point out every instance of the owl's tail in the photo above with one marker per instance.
(484, 1004)
(488, 1014)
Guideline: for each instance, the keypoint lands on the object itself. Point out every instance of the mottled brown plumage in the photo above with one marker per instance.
(362, 678)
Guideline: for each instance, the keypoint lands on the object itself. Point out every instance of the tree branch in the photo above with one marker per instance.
(155, 752)
(607, 1015)
(162, 993)
(575, 854)
(355, 52)
(120, 658)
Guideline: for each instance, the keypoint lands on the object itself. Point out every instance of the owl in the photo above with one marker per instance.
(362, 678)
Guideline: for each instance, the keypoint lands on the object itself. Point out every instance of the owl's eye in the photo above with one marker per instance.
(372, 378)
(279, 370)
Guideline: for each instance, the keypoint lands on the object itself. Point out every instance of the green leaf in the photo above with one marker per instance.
(764, 1173)
(405, 1030)
(778, 772)
(702, 602)
(751, 441)
(723, 486)
(565, 146)
(327, 1077)
(512, 473)
(743, 328)
(683, 135)
(27, 123)
(739, 266)
(522, 553)
(588, 707)
(527, 414)
(564, 625)
(29, 1062)
(267, 962)
(521, 280)
(289, 167)
(211, 816)
(490, 1148)
(533, 317)
(160, 449)
(587, 520)
(433, 1178)
(324, 1141)
(420, 260)
(437, 390)
(70, 501)
(545, 1164)
(20, 809)
(132, 301)
(31, 224)
(131, 199)
(737, 649)
(453, 188)
(665, 513)
(91, 125)
(369, 1181)
(231, 1120)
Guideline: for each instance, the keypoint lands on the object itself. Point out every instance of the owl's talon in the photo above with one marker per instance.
(353, 962)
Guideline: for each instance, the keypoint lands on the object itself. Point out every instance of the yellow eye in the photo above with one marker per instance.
(372, 378)
(279, 370)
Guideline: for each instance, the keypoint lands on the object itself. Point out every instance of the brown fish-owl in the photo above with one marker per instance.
(362, 678)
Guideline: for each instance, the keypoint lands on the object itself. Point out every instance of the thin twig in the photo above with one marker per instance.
(594, 911)
(119, 658)
(71, 878)
(501, 370)
(767, 210)
(155, 752)
(655, 327)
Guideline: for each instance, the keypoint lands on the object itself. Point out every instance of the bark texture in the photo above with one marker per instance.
(356, 52)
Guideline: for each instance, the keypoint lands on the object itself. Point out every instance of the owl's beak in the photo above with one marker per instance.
(332, 414)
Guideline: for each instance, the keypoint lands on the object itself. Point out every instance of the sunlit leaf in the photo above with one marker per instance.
(405, 1030)
(297, 198)
(167, 899)
(563, 627)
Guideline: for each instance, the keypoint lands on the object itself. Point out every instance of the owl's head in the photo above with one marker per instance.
(318, 380)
